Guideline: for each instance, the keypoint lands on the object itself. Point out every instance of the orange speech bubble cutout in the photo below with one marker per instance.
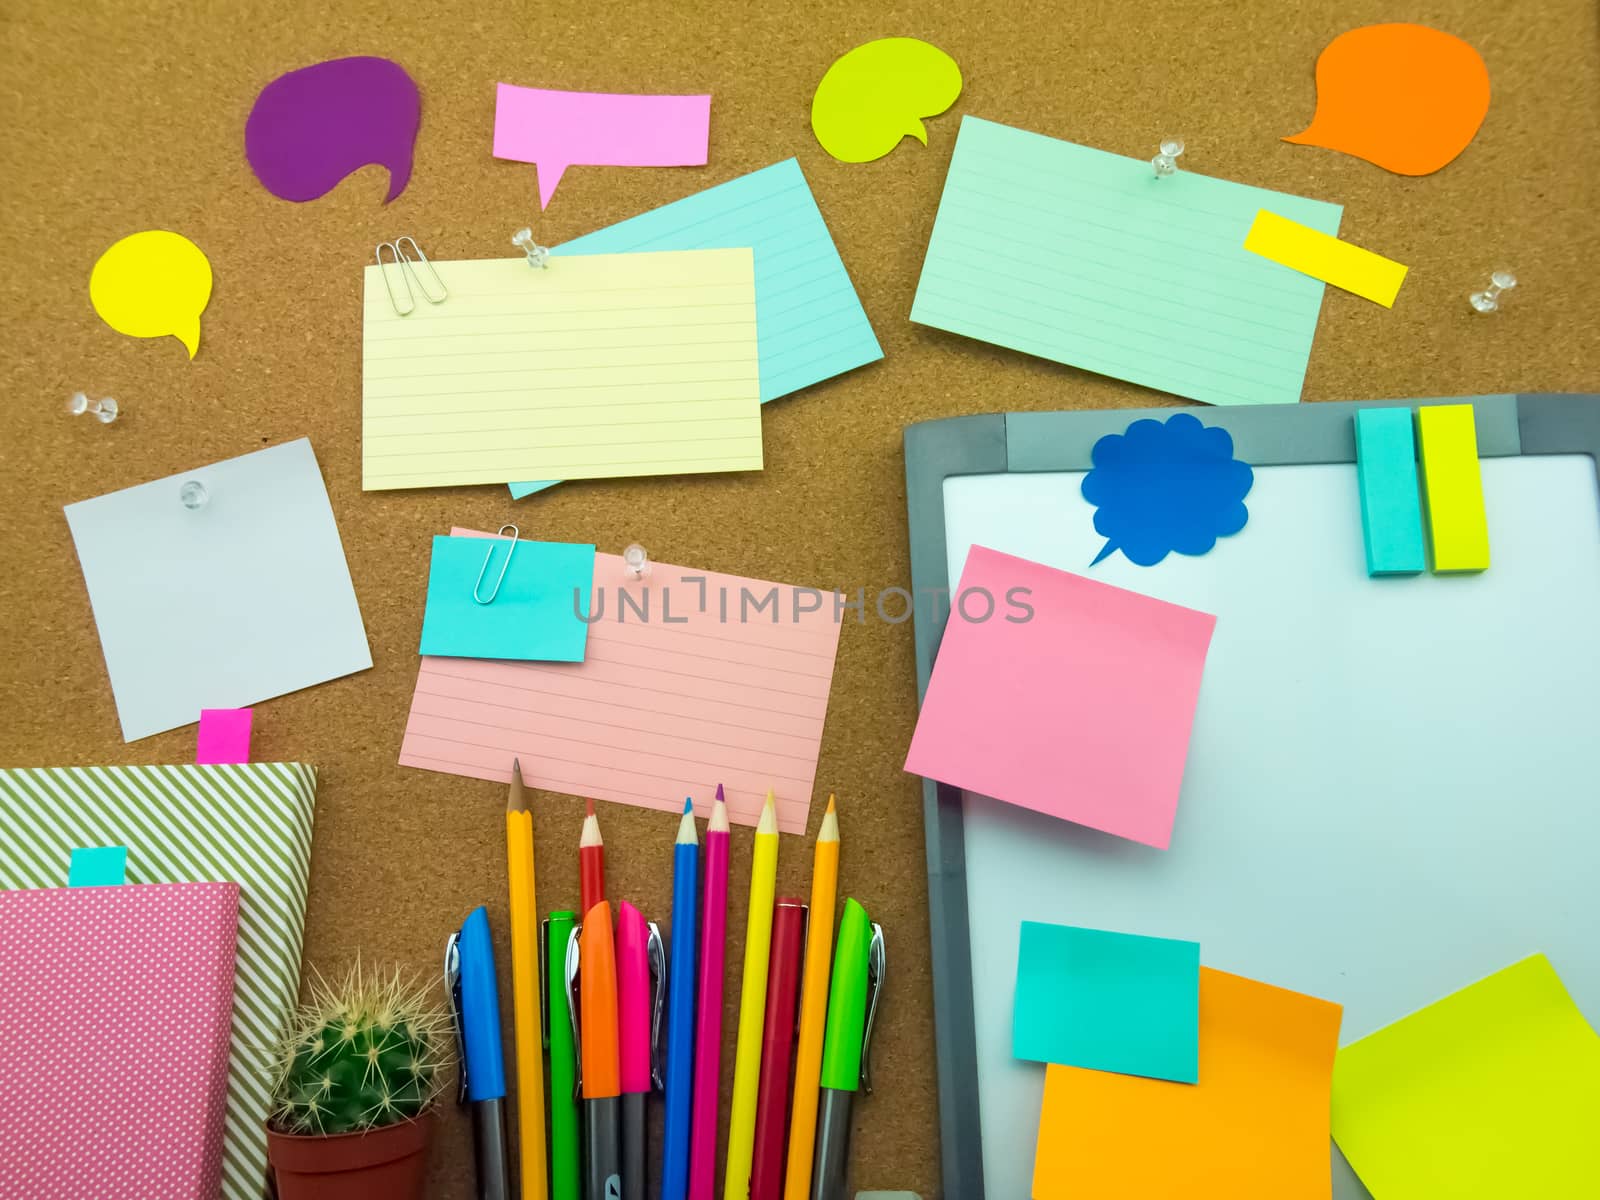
(1406, 97)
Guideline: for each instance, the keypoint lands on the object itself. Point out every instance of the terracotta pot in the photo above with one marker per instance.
(390, 1163)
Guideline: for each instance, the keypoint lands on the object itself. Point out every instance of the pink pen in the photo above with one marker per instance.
(708, 1025)
(640, 975)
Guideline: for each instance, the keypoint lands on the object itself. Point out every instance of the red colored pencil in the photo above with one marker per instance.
(591, 862)
(777, 1041)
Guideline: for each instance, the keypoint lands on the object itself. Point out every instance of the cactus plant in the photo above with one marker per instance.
(366, 1051)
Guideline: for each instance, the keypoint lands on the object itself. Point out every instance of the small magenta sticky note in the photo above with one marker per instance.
(1064, 695)
(530, 607)
(224, 736)
(1108, 1001)
(98, 866)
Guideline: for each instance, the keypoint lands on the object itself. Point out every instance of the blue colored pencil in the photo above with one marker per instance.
(681, 1010)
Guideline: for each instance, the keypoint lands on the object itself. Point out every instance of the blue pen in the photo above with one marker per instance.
(475, 1003)
(680, 1010)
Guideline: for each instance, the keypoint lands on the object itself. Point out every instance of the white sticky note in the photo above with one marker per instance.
(244, 598)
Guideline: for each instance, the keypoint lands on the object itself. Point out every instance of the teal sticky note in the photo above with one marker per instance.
(1086, 258)
(810, 325)
(98, 866)
(1108, 1001)
(535, 613)
(1391, 503)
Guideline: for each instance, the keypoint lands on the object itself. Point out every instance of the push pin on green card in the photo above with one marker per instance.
(1166, 163)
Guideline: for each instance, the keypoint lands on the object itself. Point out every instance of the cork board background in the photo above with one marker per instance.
(126, 116)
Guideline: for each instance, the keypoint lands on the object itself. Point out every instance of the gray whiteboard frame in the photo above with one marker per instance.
(993, 444)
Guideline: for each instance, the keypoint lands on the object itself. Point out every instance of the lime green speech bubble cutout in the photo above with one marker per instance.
(878, 93)
(153, 284)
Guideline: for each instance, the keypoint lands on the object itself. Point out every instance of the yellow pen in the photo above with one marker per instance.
(525, 991)
(752, 1008)
(813, 1009)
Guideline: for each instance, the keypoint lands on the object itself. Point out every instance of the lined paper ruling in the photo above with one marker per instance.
(248, 824)
(810, 325)
(691, 679)
(242, 599)
(1086, 258)
(594, 367)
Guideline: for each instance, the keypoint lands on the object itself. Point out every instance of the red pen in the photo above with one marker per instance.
(591, 862)
(777, 1041)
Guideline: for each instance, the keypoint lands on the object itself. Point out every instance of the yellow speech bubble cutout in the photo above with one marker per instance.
(878, 93)
(153, 284)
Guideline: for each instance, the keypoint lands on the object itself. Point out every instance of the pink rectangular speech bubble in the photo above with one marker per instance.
(556, 130)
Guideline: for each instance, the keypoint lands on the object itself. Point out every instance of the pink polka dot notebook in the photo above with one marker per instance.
(115, 1013)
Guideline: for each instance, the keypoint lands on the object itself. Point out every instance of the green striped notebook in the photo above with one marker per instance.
(249, 824)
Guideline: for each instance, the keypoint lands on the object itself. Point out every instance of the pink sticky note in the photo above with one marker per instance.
(1081, 710)
(690, 679)
(224, 736)
(556, 130)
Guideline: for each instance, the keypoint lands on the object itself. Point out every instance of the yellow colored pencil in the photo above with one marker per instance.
(752, 1008)
(813, 1009)
(525, 992)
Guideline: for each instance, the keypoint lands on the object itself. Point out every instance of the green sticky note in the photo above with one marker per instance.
(535, 612)
(1086, 258)
(98, 866)
(1108, 1002)
(1492, 1092)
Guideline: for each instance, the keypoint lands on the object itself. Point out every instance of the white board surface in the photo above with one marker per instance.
(1392, 784)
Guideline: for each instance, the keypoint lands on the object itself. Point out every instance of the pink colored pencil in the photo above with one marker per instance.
(708, 1022)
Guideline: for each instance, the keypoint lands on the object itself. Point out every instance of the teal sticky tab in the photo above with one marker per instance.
(1391, 504)
(534, 615)
(1108, 1001)
(1087, 258)
(810, 325)
(98, 866)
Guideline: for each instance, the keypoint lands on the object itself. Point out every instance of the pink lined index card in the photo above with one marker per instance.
(691, 679)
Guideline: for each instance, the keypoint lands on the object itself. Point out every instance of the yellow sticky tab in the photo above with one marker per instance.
(1447, 447)
(1312, 252)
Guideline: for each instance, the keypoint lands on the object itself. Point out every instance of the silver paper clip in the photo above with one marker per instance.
(406, 266)
(489, 554)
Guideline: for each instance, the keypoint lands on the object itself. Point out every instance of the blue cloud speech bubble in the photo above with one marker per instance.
(1160, 488)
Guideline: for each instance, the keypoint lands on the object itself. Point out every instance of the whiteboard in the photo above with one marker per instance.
(1391, 785)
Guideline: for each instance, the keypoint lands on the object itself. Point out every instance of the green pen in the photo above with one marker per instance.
(858, 962)
(565, 1173)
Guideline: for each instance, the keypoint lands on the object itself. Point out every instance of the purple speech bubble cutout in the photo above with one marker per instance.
(311, 128)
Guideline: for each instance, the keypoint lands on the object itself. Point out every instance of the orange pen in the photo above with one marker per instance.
(600, 1072)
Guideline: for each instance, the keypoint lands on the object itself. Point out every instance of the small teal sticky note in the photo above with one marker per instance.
(535, 613)
(98, 866)
(1391, 503)
(810, 325)
(1108, 1002)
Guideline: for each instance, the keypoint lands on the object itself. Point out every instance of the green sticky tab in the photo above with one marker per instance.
(98, 866)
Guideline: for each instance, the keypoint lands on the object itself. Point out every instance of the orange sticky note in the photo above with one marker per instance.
(1254, 1128)
(1406, 97)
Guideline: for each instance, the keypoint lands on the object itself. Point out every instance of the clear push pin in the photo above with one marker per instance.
(635, 562)
(105, 411)
(193, 494)
(538, 256)
(1166, 163)
(1488, 300)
